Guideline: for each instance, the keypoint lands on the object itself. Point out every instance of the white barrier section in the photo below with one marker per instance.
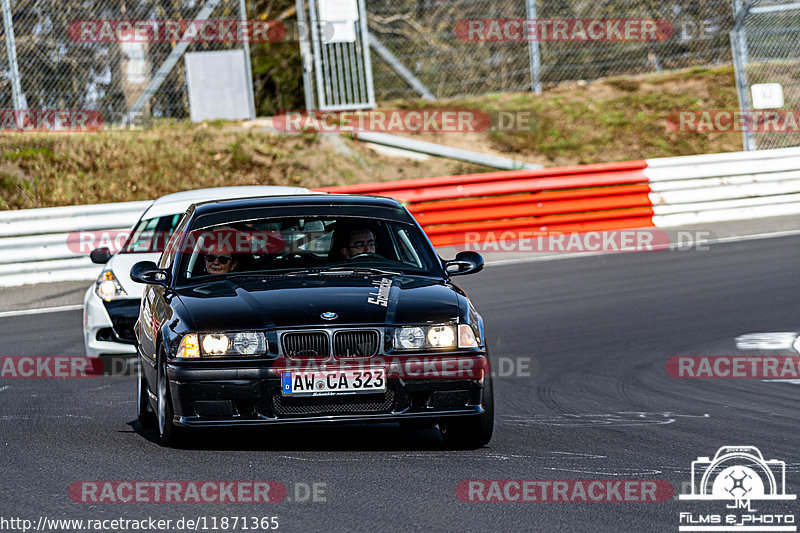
(718, 187)
(33, 242)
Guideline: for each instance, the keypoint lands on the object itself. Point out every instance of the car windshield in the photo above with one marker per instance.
(151, 234)
(305, 245)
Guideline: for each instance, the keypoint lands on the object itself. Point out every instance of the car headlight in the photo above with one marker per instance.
(409, 338)
(441, 336)
(240, 343)
(108, 288)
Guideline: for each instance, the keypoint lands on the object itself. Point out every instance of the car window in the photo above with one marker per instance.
(152, 234)
(297, 244)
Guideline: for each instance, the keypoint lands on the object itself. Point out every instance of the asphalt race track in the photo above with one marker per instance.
(595, 332)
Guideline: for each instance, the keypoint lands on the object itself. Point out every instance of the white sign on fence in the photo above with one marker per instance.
(217, 85)
(339, 17)
(767, 95)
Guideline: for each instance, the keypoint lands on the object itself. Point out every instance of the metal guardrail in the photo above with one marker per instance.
(657, 192)
(34, 243)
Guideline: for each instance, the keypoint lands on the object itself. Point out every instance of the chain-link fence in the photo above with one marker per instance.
(766, 47)
(424, 36)
(82, 55)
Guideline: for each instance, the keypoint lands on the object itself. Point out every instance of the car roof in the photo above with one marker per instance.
(179, 202)
(214, 206)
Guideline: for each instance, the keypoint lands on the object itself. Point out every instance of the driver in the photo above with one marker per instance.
(358, 241)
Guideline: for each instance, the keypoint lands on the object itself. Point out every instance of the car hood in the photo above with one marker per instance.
(120, 264)
(244, 303)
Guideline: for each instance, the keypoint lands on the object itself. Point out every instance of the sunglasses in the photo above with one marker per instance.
(223, 259)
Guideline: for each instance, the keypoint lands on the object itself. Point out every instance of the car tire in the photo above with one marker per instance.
(144, 412)
(472, 432)
(168, 433)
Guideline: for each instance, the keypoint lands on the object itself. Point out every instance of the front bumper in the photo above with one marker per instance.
(251, 396)
(106, 328)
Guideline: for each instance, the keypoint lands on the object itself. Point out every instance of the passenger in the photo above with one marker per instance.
(358, 241)
(219, 258)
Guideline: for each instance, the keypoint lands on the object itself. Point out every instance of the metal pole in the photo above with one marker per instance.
(401, 69)
(305, 54)
(439, 150)
(533, 51)
(11, 50)
(740, 60)
(740, 12)
(251, 100)
(362, 17)
(748, 141)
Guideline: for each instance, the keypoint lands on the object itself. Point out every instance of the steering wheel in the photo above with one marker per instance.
(365, 254)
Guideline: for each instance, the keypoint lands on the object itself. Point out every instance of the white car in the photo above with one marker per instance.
(111, 304)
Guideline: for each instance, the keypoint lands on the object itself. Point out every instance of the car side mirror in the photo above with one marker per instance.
(100, 255)
(148, 272)
(467, 262)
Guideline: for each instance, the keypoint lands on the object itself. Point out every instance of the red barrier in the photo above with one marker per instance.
(580, 198)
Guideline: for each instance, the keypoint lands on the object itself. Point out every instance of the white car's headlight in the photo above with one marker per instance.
(441, 336)
(240, 343)
(108, 288)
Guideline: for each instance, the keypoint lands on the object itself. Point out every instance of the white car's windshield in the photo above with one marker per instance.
(151, 234)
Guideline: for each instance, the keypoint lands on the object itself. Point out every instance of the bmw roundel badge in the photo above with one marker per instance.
(329, 315)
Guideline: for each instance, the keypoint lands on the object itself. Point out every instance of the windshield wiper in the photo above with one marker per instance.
(361, 270)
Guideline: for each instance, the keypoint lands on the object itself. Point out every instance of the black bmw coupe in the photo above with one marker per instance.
(309, 309)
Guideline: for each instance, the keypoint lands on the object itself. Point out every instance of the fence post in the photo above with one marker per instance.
(533, 50)
(740, 59)
(11, 50)
(251, 100)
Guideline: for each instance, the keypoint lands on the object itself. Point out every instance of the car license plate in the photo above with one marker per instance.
(321, 383)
